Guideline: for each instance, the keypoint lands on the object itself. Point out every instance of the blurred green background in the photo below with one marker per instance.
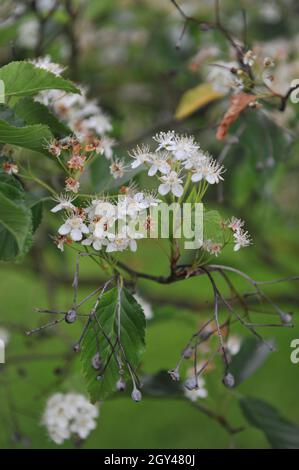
(128, 56)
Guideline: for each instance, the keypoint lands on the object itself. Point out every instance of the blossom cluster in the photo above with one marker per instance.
(84, 116)
(174, 157)
(105, 223)
(69, 414)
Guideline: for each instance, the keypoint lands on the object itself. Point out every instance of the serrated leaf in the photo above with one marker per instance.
(15, 222)
(30, 137)
(195, 98)
(212, 226)
(33, 112)
(132, 333)
(280, 433)
(251, 357)
(24, 79)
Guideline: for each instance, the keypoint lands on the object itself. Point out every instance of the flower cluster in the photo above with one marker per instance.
(106, 223)
(69, 414)
(175, 157)
(82, 115)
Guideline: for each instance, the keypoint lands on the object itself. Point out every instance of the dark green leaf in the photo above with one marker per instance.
(251, 356)
(24, 79)
(29, 137)
(33, 112)
(281, 433)
(132, 332)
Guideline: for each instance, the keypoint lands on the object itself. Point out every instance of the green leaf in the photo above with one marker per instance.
(251, 357)
(24, 79)
(105, 325)
(101, 178)
(15, 222)
(212, 226)
(29, 137)
(280, 433)
(33, 112)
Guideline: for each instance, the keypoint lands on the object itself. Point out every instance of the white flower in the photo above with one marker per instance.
(220, 76)
(200, 392)
(82, 425)
(211, 247)
(171, 183)
(4, 335)
(235, 224)
(107, 144)
(95, 242)
(249, 58)
(117, 168)
(146, 306)
(233, 344)
(99, 123)
(158, 162)
(182, 147)
(46, 63)
(241, 239)
(209, 170)
(140, 155)
(75, 227)
(67, 414)
(164, 139)
(64, 203)
(125, 238)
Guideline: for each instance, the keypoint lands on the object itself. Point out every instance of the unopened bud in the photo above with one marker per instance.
(286, 318)
(71, 316)
(76, 347)
(99, 378)
(96, 361)
(120, 384)
(191, 383)
(229, 380)
(136, 395)
(174, 374)
(187, 353)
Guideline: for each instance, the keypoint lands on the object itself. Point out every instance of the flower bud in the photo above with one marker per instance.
(174, 374)
(96, 361)
(191, 383)
(71, 316)
(187, 353)
(286, 318)
(136, 395)
(76, 347)
(229, 380)
(120, 384)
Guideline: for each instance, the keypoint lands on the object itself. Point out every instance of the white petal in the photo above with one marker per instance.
(153, 170)
(196, 177)
(133, 245)
(177, 190)
(84, 228)
(211, 179)
(57, 208)
(64, 229)
(87, 242)
(135, 164)
(97, 245)
(76, 235)
(164, 189)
